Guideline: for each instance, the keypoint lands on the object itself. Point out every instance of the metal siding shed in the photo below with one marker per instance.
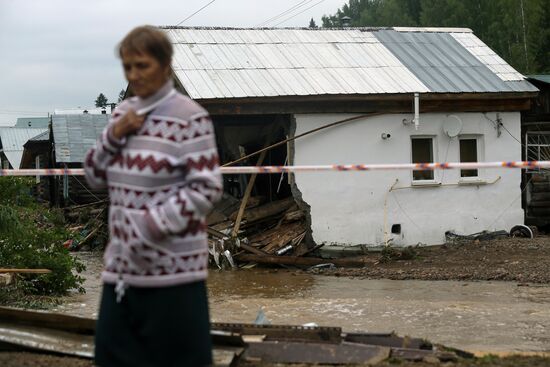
(73, 135)
(13, 139)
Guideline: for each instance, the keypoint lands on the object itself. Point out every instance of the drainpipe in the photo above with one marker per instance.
(416, 119)
(416, 111)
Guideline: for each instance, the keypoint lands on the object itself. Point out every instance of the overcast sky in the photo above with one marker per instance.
(60, 53)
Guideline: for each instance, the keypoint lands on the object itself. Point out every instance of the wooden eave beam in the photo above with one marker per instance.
(390, 103)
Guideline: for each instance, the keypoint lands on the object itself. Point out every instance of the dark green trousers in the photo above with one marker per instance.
(154, 327)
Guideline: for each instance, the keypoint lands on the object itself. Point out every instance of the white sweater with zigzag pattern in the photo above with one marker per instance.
(162, 182)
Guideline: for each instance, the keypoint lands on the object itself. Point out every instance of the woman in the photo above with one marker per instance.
(158, 158)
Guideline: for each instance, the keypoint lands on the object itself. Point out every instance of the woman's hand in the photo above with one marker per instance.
(128, 124)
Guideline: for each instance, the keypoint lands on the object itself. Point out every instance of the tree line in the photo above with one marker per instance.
(517, 30)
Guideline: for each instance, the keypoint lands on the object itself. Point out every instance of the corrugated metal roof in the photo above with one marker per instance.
(13, 139)
(25, 122)
(44, 136)
(80, 111)
(446, 66)
(540, 78)
(487, 56)
(229, 63)
(73, 135)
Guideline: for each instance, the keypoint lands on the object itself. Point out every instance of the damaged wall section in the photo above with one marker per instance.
(272, 222)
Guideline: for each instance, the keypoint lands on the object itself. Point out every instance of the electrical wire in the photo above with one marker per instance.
(497, 124)
(445, 160)
(282, 14)
(295, 15)
(16, 112)
(512, 203)
(85, 188)
(195, 13)
(407, 215)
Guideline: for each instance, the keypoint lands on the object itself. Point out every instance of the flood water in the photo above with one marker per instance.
(476, 316)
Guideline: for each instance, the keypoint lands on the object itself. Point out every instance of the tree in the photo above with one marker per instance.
(312, 24)
(121, 95)
(101, 100)
(517, 30)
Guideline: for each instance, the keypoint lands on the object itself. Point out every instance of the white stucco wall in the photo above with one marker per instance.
(348, 208)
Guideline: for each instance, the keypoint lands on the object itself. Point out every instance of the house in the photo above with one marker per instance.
(535, 136)
(12, 140)
(80, 111)
(263, 85)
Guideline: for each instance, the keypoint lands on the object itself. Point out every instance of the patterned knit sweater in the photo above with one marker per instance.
(162, 182)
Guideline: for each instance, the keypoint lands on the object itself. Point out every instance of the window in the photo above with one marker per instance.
(422, 152)
(468, 153)
(537, 147)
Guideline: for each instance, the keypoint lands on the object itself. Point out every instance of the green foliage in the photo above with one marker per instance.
(32, 236)
(517, 30)
(101, 100)
(16, 191)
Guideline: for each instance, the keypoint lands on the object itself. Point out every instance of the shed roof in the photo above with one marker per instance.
(73, 135)
(220, 63)
(80, 111)
(26, 122)
(43, 136)
(13, 139)
(545, 78)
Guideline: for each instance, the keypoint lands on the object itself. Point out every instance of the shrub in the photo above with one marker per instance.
(31, 236)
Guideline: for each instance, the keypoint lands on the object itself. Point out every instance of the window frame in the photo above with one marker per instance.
(479, 157)
(433, 180)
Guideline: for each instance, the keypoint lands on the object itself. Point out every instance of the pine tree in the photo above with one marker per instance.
(101, 100)
(312, 24)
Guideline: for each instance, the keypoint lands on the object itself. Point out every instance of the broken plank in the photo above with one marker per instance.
(318, 353)
(25, 271)
(253, 250)
(319, 334)
(247, 193)
(269, 209)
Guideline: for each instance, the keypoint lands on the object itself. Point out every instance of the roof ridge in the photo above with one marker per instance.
(362, 29)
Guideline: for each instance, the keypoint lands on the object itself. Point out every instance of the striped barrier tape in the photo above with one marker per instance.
(318, 168)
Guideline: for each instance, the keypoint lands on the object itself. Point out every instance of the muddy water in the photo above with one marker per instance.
(477, 316)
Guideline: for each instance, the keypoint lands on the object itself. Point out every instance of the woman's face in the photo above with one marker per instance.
(144, 73)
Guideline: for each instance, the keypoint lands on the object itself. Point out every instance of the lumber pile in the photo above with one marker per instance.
(264, 229)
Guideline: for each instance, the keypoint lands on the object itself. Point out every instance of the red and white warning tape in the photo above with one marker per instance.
(319, 168)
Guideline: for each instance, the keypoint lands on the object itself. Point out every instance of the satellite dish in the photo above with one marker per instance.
(452, 125)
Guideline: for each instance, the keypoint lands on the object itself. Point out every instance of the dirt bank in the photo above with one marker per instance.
(511, 259)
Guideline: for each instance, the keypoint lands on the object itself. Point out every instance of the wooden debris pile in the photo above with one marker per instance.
(87, 224)
(264, 229)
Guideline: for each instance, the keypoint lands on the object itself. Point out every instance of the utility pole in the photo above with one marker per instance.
(524, 38)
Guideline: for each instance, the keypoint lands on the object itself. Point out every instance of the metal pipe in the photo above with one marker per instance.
(416, 111)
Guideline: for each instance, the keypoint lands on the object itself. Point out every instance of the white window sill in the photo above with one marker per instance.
(474, 181)
(425, 183)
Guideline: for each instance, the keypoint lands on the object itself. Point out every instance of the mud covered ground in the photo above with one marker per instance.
(21, 359)
(511, 259)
